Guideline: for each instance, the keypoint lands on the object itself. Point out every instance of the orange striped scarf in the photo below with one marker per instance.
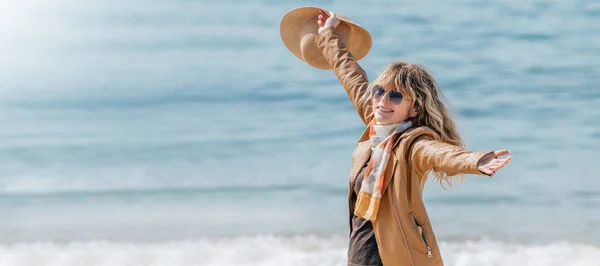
(369, 197)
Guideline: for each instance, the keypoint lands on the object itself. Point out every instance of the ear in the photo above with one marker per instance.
(415, 110)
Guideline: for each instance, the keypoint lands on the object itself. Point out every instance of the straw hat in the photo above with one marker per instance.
(299, 28)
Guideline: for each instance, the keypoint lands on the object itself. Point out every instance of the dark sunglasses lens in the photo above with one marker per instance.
(396, 97)
(378, 91)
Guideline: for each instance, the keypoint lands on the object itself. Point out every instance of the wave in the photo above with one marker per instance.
(279, 250)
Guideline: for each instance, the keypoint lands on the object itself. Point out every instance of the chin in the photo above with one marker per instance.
(383, 120)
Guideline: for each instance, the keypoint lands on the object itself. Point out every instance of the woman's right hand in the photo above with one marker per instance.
(327, 20)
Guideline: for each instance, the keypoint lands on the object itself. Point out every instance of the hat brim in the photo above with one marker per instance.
(294, 25)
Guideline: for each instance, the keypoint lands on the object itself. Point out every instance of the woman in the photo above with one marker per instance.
(410, 134)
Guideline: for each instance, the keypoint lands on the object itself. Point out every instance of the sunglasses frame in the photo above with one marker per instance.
(395, 97)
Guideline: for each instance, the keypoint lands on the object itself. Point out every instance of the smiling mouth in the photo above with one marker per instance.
(384, 109)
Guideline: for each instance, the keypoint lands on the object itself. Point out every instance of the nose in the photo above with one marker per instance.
(385, 98)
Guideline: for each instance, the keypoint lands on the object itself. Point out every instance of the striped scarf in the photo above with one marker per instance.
(382, 138)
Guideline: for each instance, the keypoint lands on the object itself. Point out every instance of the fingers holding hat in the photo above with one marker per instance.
(323, 16)
(321, 21)
(327, 19)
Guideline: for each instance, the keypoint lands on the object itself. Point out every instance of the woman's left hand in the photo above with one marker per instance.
(490, 163)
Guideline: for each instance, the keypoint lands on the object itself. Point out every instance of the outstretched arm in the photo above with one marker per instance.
(438, 156)
(345, 66)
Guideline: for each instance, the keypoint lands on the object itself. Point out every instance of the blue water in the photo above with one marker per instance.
(161, 121)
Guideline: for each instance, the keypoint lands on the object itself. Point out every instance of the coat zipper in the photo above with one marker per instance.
(422, 233)
(400, 225)
(427, 245)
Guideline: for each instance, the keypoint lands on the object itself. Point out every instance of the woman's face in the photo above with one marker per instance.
(390, 106)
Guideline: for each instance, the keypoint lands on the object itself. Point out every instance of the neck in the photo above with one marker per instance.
(379, 132)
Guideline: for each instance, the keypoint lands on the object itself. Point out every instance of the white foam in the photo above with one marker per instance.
(276, 250)
(472, 253)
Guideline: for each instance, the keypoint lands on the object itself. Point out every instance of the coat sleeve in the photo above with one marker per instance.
(351, 75)
(429, 154)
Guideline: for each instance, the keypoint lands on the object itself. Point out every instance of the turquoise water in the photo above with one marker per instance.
(185, 133)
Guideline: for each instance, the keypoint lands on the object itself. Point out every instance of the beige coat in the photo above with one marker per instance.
(402, 216)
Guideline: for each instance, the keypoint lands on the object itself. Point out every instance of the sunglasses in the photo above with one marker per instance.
(395, 96)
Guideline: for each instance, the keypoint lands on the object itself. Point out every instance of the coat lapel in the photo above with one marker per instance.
(362, 153)
(394, 159)
(389, 171)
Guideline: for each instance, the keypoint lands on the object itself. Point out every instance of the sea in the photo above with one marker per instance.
(183, 132)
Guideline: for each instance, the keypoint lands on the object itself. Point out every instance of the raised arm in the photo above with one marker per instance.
(350, 74)
(428, 154)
